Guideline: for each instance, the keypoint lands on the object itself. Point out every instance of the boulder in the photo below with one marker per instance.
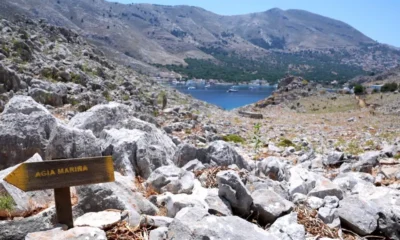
(287, 228)
(314, 202)
(76, 233)
(334, 158)
(216, 204)
(301, 181)
(155, 221)
(184, 153)
(369, 158)
(158, 233)
(223, 154)
(68, 142)
(269, 206)
(133, 152)
(193, 165)
(24, 202)
(174, 203)
(26, 128)
(54, 94)
(193, 224)
(273, 168)
(154, 149)
(324, 187)
(30, 128)
(254, 183)
(102, 220)
(115, 195)
(18, 229)
(9, 79)
(360, 216)
(329, 216)
(232, 189)
(171, 179)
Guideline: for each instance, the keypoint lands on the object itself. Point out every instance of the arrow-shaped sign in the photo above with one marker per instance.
(61, 173)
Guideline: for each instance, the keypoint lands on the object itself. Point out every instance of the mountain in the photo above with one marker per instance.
(258, 45)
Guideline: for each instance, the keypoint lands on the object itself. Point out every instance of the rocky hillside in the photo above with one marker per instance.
(281, 41)
(184, 169)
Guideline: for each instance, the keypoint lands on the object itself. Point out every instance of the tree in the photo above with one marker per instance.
(358, 89)
(389, 87)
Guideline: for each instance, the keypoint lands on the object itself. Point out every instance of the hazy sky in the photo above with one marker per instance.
(378, 19)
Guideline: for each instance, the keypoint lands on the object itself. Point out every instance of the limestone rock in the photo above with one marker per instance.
(334, 158)
(171, 179)
(358, 215)
(269, 205)
(231, 188)
(315, 202)
(17, 229)
(216, 204)
(174, 203)
(301, 181)
(26, 128)
(76, 233)
(287, 228)
(102, 220)
(68, 142)
(200, 225)
(158, 233)
(25, 202)
(114, 195)
(273, 168)
(184, 153)
(223, 154)
(9, 79)
(324, 187)
(193, 165)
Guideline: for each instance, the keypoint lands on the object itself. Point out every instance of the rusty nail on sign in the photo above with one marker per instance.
(60, 175)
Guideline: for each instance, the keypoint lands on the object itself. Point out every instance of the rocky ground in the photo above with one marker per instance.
(316, 166)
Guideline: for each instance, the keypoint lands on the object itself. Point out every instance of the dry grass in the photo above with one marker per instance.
(211, 176)
(122, 231)
(316, 227)
(146, 191)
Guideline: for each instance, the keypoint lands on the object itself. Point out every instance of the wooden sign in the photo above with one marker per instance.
(60, 175)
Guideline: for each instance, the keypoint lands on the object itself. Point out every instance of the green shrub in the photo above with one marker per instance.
(6, 202)
(125, 97)
(284, 142)
(359, 89)
(389, 87)
(188, 131)
(233, 138)
(106, 94)
(397, 156)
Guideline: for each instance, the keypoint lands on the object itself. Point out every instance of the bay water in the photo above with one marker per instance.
(218, 95)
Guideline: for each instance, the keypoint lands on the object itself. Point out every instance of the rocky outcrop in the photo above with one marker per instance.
(30, 128)
(26, 129)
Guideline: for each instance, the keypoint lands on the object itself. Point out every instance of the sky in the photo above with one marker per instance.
(378, 19)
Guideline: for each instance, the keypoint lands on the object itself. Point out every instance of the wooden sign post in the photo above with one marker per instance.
(60, 175)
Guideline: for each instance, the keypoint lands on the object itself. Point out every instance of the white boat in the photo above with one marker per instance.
(232, 90)
(191, 88)
(207, 86)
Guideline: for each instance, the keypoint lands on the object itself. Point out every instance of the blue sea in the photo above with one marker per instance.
(218, 95)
